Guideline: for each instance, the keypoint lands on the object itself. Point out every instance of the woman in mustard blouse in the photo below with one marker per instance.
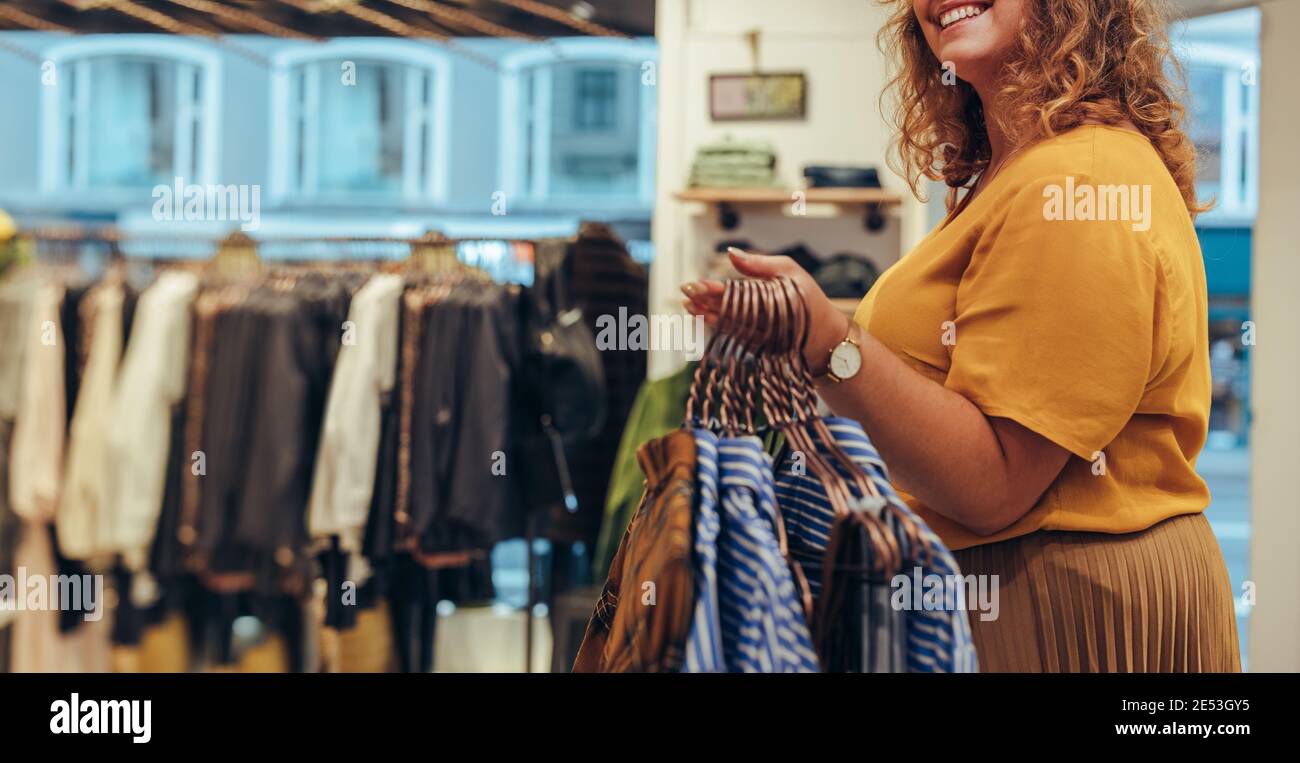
(1036, 371)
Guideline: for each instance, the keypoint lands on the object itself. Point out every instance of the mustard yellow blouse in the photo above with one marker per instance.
(1068, 296)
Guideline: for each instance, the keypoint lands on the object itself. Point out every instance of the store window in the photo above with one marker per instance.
(360, 120)
(1224, 125)
(128, 115)
(578, 124)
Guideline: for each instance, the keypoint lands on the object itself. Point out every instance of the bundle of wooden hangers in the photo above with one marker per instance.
(753, 380)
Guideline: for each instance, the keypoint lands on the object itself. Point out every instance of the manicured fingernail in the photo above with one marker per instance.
(689, 289)
(739, 253)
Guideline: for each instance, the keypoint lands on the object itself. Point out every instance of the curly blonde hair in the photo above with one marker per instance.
(1074, 61)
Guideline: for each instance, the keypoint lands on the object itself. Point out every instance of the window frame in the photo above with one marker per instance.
(204, 157)
(587, 77)
(436, 64)
(1237, 202)
(514, 122)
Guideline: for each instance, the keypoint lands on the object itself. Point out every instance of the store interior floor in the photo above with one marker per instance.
(489, 640)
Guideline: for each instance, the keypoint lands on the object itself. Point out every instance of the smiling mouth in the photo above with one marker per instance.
(959, 14)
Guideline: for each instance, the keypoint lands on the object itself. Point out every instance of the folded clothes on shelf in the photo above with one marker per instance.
(733, 163)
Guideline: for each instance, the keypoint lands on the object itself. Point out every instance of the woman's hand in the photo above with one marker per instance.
(827, 325)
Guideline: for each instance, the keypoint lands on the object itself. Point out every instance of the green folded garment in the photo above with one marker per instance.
(735, 160)
(728, 146)
(733, 163)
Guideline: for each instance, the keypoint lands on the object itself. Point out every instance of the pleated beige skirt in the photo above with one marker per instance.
(1152, 601)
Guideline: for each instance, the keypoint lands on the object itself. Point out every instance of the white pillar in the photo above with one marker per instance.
(672, 266)
(1275, 374)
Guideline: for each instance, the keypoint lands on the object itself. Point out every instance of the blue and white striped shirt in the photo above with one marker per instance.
(704, 645)
(760, 623)
(938, 640)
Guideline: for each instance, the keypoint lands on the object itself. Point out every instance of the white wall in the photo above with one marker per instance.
(834, 43)
(1275, 425)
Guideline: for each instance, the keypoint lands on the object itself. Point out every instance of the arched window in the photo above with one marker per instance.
(578, 123)
(129, 112)
(360, 118)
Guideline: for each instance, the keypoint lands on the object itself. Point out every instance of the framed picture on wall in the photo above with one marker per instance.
(761, 95)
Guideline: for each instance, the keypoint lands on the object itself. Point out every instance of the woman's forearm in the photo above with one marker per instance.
(939, 446)
(982, 472)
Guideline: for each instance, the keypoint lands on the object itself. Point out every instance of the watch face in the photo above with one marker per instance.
(846, 360)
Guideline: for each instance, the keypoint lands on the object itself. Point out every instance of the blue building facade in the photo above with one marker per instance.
(348, 137)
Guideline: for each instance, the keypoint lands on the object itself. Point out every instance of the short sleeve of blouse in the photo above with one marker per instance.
(1055, 320)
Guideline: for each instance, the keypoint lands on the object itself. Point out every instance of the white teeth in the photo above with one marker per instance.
(948, 18)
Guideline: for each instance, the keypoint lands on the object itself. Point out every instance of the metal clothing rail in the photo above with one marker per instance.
(112, 234)
(74, 241)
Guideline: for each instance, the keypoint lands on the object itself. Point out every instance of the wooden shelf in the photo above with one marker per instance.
(786, 195)
(729, 200)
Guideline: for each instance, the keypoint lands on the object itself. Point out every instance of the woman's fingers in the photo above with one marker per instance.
(710, 316)
(703, 297)
(760, 266)
(692, 307)
(828, 326)
(703, 289)
(699, 307)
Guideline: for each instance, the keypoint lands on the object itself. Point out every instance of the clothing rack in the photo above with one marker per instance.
(198, 247)
(70, 243)
(114, 234)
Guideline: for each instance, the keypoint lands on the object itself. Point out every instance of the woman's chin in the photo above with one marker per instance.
(967, 58)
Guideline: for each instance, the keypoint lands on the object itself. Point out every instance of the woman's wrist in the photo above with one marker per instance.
(818, 352)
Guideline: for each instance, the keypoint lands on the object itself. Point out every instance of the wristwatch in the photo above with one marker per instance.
(845, 360)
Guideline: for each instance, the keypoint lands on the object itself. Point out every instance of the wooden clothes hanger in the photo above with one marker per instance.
(237, 256)
(432, 254)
